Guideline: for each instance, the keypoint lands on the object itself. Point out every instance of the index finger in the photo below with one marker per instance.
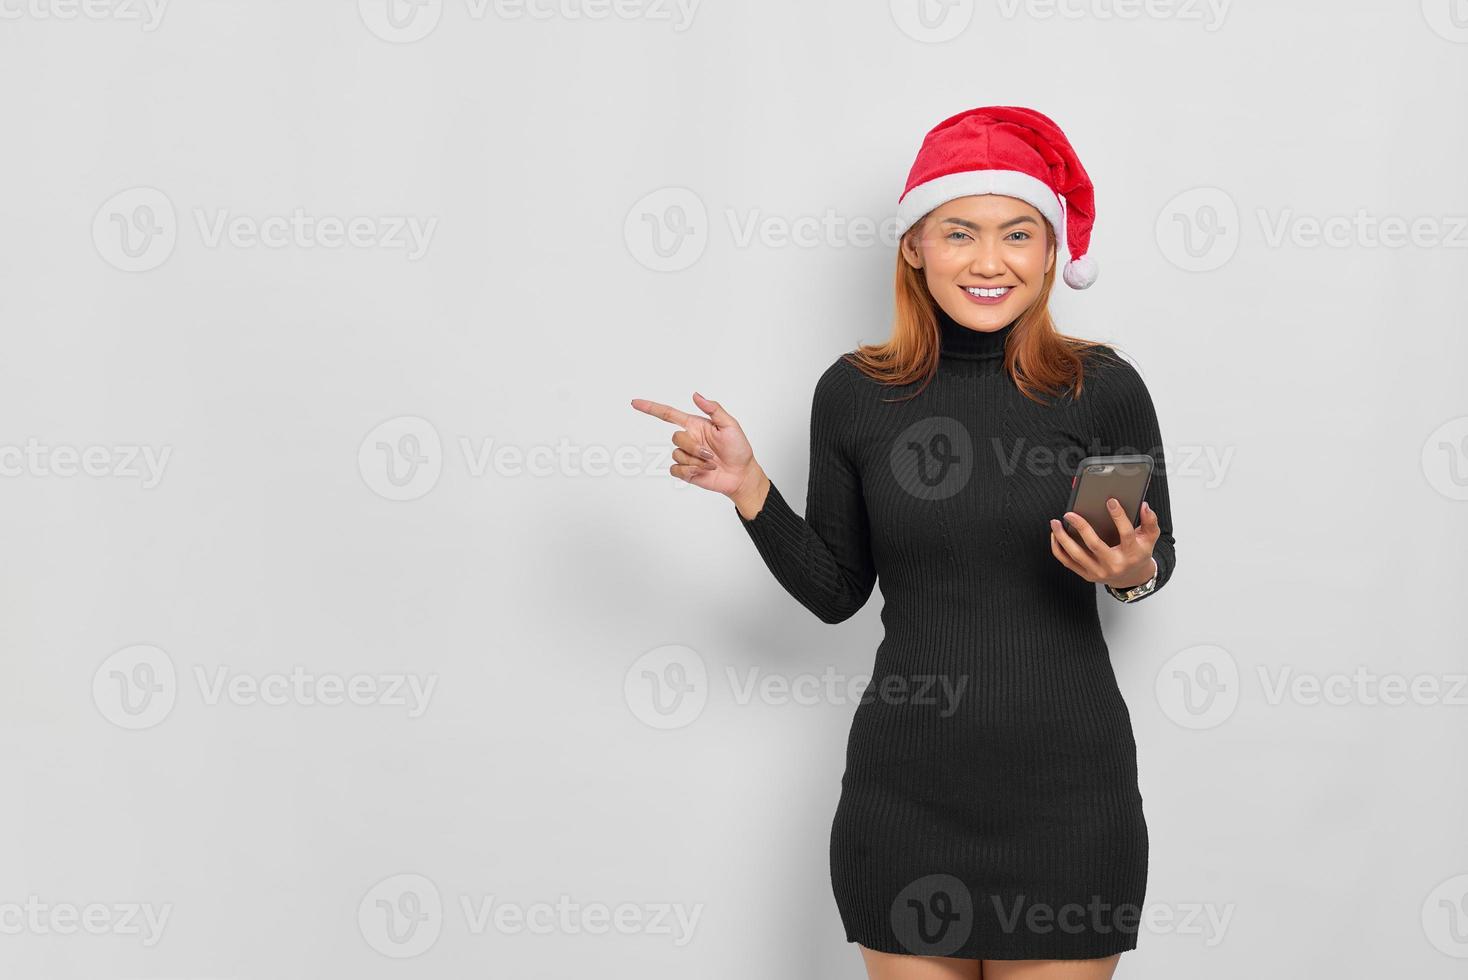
(665, 412)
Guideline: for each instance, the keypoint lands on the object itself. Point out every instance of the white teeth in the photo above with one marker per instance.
(991, 293)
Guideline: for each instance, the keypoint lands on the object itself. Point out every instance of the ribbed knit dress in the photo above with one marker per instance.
(989, 807)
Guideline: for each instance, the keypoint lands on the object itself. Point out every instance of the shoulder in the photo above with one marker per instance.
(1112, 373)
(1119, 399)
(834, 409)
(837, 381)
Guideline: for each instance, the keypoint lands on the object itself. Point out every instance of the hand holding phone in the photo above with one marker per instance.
(1099, 478)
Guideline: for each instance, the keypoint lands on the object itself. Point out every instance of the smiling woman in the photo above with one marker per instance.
(1004, 835)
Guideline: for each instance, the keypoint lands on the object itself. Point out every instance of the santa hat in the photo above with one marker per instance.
(1012, 151)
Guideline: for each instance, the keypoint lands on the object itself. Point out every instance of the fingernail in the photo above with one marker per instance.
(1112, 504)
(706, 454)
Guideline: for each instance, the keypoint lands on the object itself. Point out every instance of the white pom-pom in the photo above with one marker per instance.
(1080, 273)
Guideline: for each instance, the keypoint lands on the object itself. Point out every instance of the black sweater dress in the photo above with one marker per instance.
(989, 807)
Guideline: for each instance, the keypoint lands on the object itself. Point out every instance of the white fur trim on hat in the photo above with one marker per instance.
(1010, 183)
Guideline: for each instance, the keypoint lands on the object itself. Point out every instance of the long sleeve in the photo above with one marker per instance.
(823, 560)
(1125, 422)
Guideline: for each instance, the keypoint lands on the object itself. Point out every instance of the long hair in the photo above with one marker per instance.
(1037, 357)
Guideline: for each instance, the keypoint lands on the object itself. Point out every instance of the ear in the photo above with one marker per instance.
(910, 250)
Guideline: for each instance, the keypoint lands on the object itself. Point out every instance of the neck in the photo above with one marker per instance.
(957, 340)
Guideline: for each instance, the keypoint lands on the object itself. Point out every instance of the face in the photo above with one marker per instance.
(985, 242)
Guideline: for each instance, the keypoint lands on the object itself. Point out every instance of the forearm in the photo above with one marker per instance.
(822, 559)
(830, 575)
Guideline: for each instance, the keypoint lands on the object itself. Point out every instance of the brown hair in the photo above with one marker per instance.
(1037, 356)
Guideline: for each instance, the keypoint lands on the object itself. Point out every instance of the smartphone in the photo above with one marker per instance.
(1098, 477)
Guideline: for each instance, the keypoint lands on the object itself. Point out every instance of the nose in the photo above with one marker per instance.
(988, 260)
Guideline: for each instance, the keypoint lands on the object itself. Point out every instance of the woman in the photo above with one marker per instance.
(994, 827)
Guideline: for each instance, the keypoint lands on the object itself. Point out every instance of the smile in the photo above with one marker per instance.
(988, 293)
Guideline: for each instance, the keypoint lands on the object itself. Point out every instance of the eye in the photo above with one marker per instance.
(960, 233)
(1025, 234)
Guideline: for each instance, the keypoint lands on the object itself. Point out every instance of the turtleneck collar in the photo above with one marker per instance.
(957, 340)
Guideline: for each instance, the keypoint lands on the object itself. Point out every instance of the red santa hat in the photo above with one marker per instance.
(1012, 151)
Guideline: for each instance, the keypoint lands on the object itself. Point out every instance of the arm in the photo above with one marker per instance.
(1125, 421)
(823, 560)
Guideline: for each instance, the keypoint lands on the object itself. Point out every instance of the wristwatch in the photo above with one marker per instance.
(1137, 591)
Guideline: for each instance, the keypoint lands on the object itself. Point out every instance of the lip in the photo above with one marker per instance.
(987, 300)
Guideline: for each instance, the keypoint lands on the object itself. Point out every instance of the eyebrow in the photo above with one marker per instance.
(975, 227)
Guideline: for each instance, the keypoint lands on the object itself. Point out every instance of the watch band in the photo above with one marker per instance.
(1137, 591)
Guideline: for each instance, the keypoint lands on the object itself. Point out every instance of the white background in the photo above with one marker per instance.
(587, 181)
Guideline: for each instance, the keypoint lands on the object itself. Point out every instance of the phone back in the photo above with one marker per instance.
(1098, 477)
